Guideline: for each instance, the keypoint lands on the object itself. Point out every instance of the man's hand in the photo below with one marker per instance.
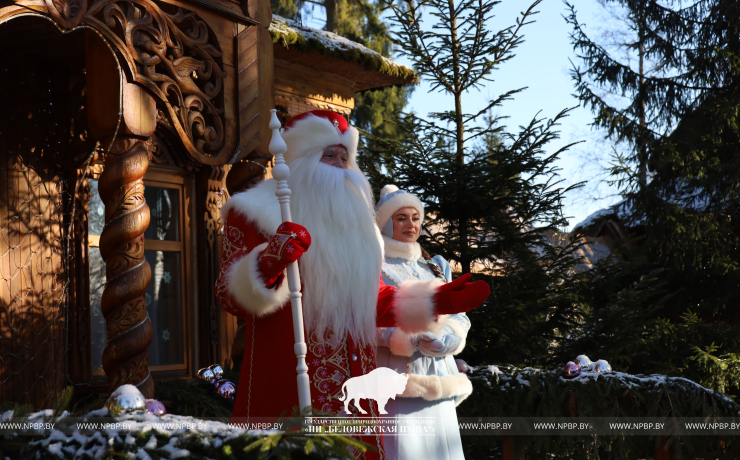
(287, 245)
(459, 296)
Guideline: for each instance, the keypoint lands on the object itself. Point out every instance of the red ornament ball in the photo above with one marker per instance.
(571, 370)
(155, 407)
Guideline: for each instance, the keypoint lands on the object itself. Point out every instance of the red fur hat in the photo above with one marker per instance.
(311, 132)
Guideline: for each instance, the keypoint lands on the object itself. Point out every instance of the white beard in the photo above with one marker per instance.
(341, 269)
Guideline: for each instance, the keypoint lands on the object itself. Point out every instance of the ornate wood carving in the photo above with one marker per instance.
(172, 52)
(216, 197)
(166, 151)
(178, 59)
(121, 187)
(67, 13)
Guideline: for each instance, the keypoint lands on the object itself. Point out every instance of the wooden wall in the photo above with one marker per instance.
(33, 198)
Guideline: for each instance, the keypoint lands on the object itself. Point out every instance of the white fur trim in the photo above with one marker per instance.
(433, 387)
(400, 343)
(388, 189)
(386, 210)
(259, 204)
(399, 249)
(460, 332)
(413, 306)
(244, 282)
(313, 134)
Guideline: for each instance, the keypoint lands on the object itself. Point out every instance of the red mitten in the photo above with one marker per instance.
(287, 245)
(459, 296)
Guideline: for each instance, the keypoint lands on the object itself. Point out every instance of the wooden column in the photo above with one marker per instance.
(255, 83)
(123, 116)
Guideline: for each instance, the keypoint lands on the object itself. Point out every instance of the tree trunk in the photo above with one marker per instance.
(331, 15)
(642, 155)
(465, 260)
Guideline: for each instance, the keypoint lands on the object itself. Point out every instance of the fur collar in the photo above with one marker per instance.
(259, 203)
(399, 249)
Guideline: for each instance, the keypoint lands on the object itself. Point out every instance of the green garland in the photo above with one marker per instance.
(287, 33)
(508, 391)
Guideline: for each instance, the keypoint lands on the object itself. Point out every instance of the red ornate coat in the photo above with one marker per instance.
(267, 384)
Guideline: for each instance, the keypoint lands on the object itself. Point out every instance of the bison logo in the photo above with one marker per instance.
(380, 384)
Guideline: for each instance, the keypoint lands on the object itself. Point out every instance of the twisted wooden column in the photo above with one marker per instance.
(121, 187)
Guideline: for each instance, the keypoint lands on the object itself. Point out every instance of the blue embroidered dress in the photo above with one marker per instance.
(435, 385)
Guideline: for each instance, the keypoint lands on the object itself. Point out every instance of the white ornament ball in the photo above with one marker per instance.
(602, 366)
(126, 399)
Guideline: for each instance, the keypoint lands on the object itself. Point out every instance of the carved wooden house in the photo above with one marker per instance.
(121, 122)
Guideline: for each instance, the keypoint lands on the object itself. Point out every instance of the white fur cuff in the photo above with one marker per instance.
(432, 387)
(413, 306)
(244, 282)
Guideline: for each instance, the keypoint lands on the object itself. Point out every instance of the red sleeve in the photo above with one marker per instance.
(240, 236)
(385, 316)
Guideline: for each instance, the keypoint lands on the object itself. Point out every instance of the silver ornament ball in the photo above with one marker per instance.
(207, 375)
(602, 366)
(218, 371)
(125, 400)
(584, 362)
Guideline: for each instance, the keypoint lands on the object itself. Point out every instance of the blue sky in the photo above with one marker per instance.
(542, 65)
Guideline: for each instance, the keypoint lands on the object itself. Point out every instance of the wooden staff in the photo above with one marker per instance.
(281, 172)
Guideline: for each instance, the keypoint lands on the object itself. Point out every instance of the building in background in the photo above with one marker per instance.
(125, 125)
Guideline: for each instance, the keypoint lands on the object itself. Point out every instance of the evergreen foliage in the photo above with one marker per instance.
(512, 392)
(489, 194)
(211, 440)
(681, 121)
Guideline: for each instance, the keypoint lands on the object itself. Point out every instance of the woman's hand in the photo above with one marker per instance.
(438, 345)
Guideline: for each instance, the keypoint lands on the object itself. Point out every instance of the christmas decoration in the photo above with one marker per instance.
(583, 362)
(601, 366)
(462, 366)
(571, 370)
(206, 374)
(218, 371)
(155, 407)
(125, 400)
(226, 390)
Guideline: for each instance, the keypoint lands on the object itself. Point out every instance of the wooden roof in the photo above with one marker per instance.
(329, 52)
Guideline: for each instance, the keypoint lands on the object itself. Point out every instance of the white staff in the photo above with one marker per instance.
(281, 172)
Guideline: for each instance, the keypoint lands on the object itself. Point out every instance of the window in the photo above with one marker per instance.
(169, 296)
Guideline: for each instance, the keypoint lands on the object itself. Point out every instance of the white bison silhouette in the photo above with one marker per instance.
(380, 384)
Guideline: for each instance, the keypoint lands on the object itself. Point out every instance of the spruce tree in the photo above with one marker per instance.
(490, 195)
(672, 306)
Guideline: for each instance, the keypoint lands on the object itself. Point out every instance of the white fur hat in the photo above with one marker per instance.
(391, 200)
(313, 131)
